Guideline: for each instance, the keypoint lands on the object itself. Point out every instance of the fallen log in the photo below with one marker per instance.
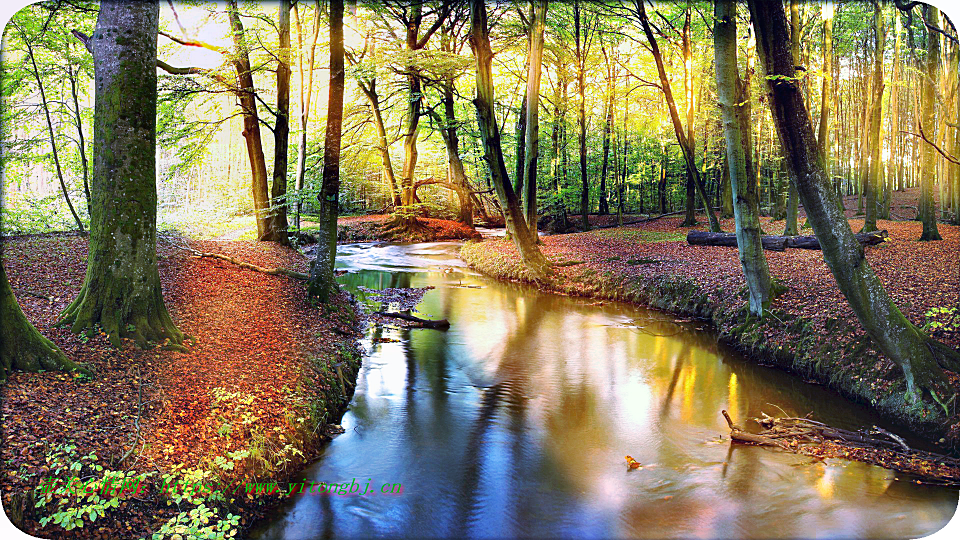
(776, 243)
(255, 268)
(702, 238)
(441, 324)
(811, 242)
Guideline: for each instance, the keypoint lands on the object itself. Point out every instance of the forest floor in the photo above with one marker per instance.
(374, 227)
(812, 331)
(251, 400)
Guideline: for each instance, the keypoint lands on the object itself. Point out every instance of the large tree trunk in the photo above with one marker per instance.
(526, 244)
(122, 290)
(281, 132)
(686, 143)
(928, 127)
(731, 94)
(456, 175)
(321, 282)
(22, 347)
(919, 356)
(532, 135)
(251, 125)
(306, 95)
(895, 154)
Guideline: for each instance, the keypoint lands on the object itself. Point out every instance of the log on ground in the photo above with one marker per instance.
(776, 243)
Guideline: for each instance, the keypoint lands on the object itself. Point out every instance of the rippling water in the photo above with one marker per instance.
(516, 421)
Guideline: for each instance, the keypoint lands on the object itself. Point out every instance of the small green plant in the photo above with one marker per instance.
(80, 490)
(199, 522)
(943, 319)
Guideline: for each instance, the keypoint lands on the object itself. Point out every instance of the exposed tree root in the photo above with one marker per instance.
(876, 446)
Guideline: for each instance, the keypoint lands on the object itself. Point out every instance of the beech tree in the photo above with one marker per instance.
(921, 358)
(121, 291)
(321, 282)
(484, 101)
(928, 126)
(732, 96)
(532, 135)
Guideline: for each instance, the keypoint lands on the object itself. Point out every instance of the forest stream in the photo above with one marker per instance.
(515, 423)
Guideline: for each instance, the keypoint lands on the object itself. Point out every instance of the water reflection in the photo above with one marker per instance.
(515, 423)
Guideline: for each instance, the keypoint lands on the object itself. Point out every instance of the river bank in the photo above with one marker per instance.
(811, 331)
(252, 401)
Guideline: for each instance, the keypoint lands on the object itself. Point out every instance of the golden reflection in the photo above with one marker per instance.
(689, 378)
(824, 484)
(732, 396)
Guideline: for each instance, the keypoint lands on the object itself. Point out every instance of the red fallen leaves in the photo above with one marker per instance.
(254, 334)
(367, 228)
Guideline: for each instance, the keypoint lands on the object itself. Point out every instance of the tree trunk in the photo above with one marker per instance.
(582, 40)
(532, 135)
(690, 218)
(526, 244)
(321, 283)
(826, 91)
(281, 132)
(81, 140)
(604, 208)
(876, 115)
(919, 356)
(457, 176)
(306, 95)
(251, 125)
(790, 227)
(895, 154)
(730, 93)
(22, 347)
(928, 126)
(121, 290)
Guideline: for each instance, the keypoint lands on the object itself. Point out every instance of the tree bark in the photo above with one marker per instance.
(526, 245)
(532, 135)
(322, 284)
(920, 357)
(604, 208)
(730, 94)
(121, 290)
(582, 41)
(281, 132)
(928, 126)
(792, 209)
(876, 115)
(251, 125)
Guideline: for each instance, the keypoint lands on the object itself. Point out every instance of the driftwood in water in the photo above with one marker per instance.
(876, 446)
(776, 243)
(441, 324)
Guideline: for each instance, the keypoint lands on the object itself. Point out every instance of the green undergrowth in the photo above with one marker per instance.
(827, 353)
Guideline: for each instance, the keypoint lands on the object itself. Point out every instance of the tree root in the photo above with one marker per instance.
(876, 446)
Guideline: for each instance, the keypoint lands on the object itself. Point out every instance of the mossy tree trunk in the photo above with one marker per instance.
(321, 282)
(920, 357)
(22, 347)
(122, 290)
(731, 95)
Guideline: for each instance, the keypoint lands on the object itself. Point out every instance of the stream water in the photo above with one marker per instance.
(516, 421)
